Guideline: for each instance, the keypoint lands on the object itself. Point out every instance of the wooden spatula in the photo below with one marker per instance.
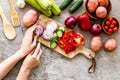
(9, 30)
(43, 20)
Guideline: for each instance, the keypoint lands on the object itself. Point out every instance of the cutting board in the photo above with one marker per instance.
(43, 20)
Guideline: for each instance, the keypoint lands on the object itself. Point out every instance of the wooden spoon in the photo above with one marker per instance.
(9, 30)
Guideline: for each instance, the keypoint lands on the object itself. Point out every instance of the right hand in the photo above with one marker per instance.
(32, 59)
(28, 42)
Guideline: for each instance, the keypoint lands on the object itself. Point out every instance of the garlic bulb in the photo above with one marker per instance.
(21, 3)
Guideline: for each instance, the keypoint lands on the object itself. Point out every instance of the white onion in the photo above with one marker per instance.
(52, 26)
(47, 35)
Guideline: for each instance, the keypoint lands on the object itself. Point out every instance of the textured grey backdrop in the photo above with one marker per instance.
(56, 67)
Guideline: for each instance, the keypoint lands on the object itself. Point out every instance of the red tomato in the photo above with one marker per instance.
(106, 28)
(110, 30)
(115, 29)
(110, 19)
(107, 23)
(114, 22)
(112, 26)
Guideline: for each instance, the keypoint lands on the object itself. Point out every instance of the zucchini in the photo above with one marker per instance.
(65, 3)
(55, 9)
(62, 28)
(59, 33)
(75, 6)
(44, 3)
(53, 45)
(35, 4)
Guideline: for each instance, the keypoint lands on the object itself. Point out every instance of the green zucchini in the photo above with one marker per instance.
(55, 9)
(35, 4)
(65, 3)
(53, 45)
(75, 6)
(59, 33)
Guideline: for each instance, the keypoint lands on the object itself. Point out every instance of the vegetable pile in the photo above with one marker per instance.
(70, 40)
(47, 7)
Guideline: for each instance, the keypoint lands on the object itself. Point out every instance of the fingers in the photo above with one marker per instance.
(34, 41)
(37, 50)
(39, 54)
(32, 52)
(31, 29)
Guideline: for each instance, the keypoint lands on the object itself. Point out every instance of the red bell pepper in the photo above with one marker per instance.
(70, 40)
(84, 22)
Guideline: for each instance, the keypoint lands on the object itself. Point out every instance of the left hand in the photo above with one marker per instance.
(29, 41)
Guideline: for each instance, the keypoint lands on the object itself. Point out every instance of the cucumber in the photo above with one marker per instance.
(53, 45)
(55, 35)
(75, 6)
(65, 3)
(59, 33)
(54, 39)
(62, 28)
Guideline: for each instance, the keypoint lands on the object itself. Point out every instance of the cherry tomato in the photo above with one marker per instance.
(115, 29)
(106, 28)
(110, 19)
(114, 22)
(112, 26)
(107, 23)
(110, 30)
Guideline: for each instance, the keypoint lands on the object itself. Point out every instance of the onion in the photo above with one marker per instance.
(96, 29)
(47, 35)
(70, 22)
(39, 30)
(52, 26)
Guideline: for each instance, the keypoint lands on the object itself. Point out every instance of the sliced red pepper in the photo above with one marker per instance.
(68, 41)
(79, 37)
(69, 48)
(61, 43)
(65, 38)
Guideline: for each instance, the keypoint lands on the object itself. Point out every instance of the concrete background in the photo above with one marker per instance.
(55, 66)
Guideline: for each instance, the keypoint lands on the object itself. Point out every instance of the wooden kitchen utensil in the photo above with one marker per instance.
(14, 15)
(9, 30)
(43, 20)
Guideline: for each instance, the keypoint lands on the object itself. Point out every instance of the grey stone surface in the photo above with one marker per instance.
(56, 67)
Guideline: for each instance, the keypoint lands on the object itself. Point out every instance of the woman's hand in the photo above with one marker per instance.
(32, 59)
(28, 42)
